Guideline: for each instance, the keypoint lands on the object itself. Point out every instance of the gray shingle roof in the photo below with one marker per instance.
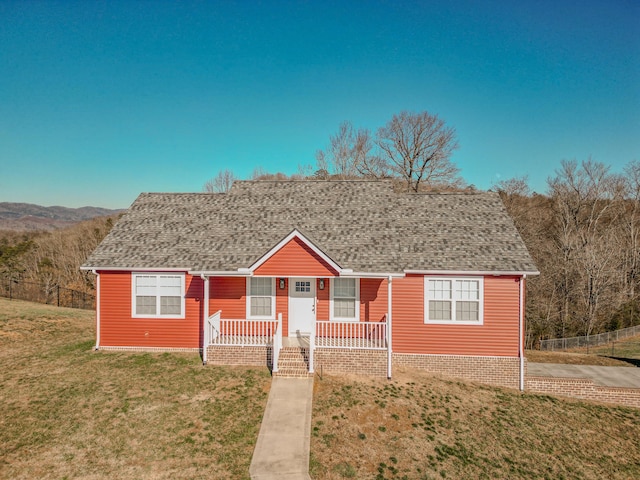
(361, 225)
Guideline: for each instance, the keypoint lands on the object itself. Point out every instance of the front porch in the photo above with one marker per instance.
(331, 346)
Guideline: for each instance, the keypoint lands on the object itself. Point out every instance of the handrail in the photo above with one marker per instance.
(312, 347)
(277, 345)
(352, 335)
(214, 327)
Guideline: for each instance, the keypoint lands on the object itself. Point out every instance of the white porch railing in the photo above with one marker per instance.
(354, 335)
(277, 345)
(241, 333)
(312, 348)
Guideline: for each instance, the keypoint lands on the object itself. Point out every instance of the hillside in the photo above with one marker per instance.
(27, 216)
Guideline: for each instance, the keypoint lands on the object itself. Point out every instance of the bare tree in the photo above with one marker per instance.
(584, 201)
(418, 147)
(349, 154)
(631, 228)
(221, 183)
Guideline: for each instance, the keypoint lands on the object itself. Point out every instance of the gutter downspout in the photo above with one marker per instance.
(97, 308)
(205, 319)
(389, 336)
(521, 331)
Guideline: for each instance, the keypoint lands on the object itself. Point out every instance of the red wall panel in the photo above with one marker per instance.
(373, 299)
(498, 336)
(118, 328)
(228, 294)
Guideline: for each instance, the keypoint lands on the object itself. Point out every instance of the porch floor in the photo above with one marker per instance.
(298, 341)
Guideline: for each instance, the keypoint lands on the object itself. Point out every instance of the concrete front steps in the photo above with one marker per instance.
(293, 362)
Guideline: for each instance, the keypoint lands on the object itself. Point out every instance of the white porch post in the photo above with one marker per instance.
(205, 320)
(312, 346)
(521, 331)
(97, 309)
(389, 350)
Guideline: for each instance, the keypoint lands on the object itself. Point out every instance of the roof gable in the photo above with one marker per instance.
(295, 256)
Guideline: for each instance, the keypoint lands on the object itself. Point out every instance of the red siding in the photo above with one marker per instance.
(228, 294)
(295, 259)
(282, 304)
(118, 328)
(498, 336)
(373, 299)
(322, 300)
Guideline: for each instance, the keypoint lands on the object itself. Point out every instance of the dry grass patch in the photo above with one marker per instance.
(537, 356)
(417, 426)
(69, 412)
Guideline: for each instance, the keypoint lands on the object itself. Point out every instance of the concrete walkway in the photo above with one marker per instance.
(628, 377)
(282, 449)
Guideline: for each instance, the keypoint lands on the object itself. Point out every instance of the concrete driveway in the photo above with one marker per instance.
(628, 377)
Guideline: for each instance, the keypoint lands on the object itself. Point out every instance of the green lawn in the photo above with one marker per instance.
(70, 412)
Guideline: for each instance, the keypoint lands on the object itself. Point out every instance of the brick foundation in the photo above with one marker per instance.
(499, 371)
(585, 389)
(231, 355)
(149, 349)
(344, 360)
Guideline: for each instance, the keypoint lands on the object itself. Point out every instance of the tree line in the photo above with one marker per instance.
(584, 236)
(53, 258)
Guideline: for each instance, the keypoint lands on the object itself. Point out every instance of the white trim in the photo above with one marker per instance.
(219, 273)
(497, 273)
(135, 269)
(273, 300)
(181, 274)
(521, 332)
(357, 301)
(453, 300)
(97, 309)
(350, 274)
(205, 319)
(295, 233)
(389, 332)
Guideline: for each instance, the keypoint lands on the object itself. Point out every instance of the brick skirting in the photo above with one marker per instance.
(344, 360)
(585, 389)
(499, 371)
(232, 355)
(149, 349)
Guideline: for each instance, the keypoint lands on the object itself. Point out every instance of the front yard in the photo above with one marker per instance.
(69, 412)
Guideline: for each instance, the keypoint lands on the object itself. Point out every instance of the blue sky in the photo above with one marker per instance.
(100, 101)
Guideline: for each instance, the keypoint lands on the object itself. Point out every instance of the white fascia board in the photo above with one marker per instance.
(370, 275)
(469, 272)
(287, 239)
(219, 273)
(135, 269)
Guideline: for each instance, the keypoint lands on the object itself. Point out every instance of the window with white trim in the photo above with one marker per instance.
(157, 295)
(345, 299)
(454, 300)
(261, 297)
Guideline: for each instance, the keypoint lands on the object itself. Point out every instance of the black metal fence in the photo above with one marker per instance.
(590, 340)
(49, 294)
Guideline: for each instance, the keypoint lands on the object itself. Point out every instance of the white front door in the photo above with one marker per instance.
(302, 306)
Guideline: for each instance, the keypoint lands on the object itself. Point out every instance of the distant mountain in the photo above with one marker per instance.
(26, 216)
